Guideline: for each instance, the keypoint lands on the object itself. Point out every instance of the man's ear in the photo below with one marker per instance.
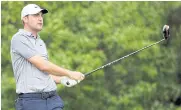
(25, 19)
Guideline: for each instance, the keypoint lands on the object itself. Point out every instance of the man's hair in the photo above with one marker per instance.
(23, 21)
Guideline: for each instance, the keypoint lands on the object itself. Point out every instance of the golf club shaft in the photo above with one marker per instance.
(108, 64)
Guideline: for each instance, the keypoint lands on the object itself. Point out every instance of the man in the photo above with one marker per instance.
(36, 77)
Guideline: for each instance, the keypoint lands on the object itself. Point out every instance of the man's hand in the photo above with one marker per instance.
(72, 79)
(76, 75)
(64, 80)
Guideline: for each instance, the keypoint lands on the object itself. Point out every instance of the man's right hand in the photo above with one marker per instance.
(76, 75)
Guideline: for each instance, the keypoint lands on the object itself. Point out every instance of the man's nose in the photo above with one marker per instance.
(40, 18)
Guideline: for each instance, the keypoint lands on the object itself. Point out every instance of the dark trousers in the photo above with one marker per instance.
(39, 101)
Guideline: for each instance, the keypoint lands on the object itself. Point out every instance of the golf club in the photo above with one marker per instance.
(166, 35)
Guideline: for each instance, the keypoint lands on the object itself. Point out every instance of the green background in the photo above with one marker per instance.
(82, 36)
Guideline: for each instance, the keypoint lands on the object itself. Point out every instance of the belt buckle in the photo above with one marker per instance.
(44, 95)
(51, 93)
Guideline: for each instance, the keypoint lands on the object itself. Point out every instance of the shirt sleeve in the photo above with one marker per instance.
(23, 47)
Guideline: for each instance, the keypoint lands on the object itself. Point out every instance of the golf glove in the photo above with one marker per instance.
(66, 81)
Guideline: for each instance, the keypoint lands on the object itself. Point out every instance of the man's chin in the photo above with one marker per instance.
(39, 29)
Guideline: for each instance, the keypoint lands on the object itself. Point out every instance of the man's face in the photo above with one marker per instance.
(35, 21)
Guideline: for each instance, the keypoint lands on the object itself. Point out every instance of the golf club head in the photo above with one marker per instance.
(166, 32)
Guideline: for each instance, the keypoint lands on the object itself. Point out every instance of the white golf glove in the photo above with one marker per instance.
(66, 81)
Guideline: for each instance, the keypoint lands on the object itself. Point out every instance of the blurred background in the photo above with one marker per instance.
(84, 35)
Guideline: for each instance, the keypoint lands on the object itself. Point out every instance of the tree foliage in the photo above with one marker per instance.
(82, 36)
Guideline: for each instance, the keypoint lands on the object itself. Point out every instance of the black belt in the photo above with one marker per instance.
(43, 95)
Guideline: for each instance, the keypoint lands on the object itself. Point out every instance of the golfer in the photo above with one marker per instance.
(35, 75)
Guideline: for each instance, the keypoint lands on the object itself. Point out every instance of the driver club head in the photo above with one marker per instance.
(166, 32)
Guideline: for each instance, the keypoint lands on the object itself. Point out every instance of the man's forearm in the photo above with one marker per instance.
(56, 70)
(47, 66)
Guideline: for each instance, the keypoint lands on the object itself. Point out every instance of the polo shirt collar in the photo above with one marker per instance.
(29, 34)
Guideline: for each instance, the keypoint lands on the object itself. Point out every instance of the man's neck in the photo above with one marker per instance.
(33, 32)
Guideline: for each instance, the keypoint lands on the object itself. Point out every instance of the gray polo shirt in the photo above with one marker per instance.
(29, 78)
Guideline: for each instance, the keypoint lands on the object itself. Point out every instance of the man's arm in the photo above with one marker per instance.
(53, 69)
